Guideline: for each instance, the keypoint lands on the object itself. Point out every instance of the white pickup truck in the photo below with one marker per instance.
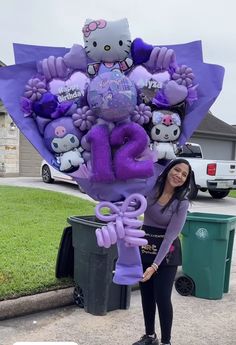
(216, 176)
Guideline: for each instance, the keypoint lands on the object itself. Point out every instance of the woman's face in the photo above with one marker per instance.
(178, 175)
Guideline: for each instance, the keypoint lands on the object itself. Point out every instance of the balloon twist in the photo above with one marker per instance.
(53, 67)
(123, 223)
(161, 59)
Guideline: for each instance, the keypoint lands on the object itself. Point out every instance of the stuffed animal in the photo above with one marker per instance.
(164, 133)
(63, 138)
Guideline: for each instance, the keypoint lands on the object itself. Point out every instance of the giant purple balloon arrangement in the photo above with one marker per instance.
(106, 113)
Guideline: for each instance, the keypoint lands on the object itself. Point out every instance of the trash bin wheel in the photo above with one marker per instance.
(184, 285)
(78, 296)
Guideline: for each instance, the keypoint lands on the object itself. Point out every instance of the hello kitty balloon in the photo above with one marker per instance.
(107, 42)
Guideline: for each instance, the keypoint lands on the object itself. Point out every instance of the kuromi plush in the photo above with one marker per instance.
(164, 133)
(63, 139)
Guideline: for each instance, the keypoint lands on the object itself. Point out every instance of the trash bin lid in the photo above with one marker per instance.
(86, 220)
(210, 217)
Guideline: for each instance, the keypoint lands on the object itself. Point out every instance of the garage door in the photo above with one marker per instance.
(215, 149)
(29, 158)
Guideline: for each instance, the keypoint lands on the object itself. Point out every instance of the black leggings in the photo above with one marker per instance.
(157, 290)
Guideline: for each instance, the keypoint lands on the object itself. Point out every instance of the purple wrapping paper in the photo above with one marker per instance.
(26, 52)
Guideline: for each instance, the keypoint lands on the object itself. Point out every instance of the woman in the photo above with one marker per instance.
(163, 221)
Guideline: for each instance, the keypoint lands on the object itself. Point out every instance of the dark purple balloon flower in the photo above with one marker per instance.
(48, 106)
(26, 106)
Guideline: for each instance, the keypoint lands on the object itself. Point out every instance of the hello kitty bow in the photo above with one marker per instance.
(92, 26)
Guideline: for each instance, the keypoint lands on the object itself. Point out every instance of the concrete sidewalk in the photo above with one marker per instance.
(196, 321)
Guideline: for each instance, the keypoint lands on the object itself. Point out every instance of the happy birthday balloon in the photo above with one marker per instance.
(71, 89)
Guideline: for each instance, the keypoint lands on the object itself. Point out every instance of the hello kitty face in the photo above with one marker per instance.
(166, 126)
(107, 41)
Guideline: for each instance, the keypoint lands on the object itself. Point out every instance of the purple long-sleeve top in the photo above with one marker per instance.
(172, 219)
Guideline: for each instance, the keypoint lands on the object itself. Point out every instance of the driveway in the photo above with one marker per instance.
(204, 202)
(36, 182)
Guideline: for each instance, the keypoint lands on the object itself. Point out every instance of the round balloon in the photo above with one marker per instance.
(112, 96)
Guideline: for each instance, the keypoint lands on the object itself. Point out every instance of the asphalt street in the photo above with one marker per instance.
(197, 321)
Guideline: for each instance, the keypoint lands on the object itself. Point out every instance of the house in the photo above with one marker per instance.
(19, 158)
(217, 138)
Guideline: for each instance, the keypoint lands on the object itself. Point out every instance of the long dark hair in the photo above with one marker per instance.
(181, 192)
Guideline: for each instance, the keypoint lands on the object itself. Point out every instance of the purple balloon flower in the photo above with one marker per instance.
(183, 75)
(49, 107)
(141, 114)
(35, 88)
(26, 106)
(46, 105)
(84, 118)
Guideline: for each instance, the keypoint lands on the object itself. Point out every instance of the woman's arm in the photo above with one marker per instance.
(173, 229)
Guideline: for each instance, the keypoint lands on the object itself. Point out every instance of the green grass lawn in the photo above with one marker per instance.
(232, 193)
(31, 225)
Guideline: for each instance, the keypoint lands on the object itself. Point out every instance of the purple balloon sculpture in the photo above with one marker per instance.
(123, 229)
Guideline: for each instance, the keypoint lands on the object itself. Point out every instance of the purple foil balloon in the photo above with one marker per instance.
(148, 84)
(112, 96)
(71, 89)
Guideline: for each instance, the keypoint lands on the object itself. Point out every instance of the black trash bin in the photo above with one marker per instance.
(94, 269)
(65, 255)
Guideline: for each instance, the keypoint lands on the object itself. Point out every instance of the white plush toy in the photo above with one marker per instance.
(70, 159)
(164, 134)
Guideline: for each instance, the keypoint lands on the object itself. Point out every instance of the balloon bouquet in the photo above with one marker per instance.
(107, 114)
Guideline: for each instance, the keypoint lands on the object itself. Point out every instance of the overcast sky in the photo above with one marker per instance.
(59, 23)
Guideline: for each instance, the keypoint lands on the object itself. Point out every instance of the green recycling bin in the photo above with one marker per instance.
(94, 268)
(207, 246)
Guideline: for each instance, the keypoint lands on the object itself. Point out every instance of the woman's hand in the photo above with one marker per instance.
(148, 274)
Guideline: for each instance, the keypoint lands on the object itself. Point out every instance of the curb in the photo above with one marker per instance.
(36, 303)
(40, 302)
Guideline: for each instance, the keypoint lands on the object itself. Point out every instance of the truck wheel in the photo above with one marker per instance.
(193, 190)
(218, 194)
